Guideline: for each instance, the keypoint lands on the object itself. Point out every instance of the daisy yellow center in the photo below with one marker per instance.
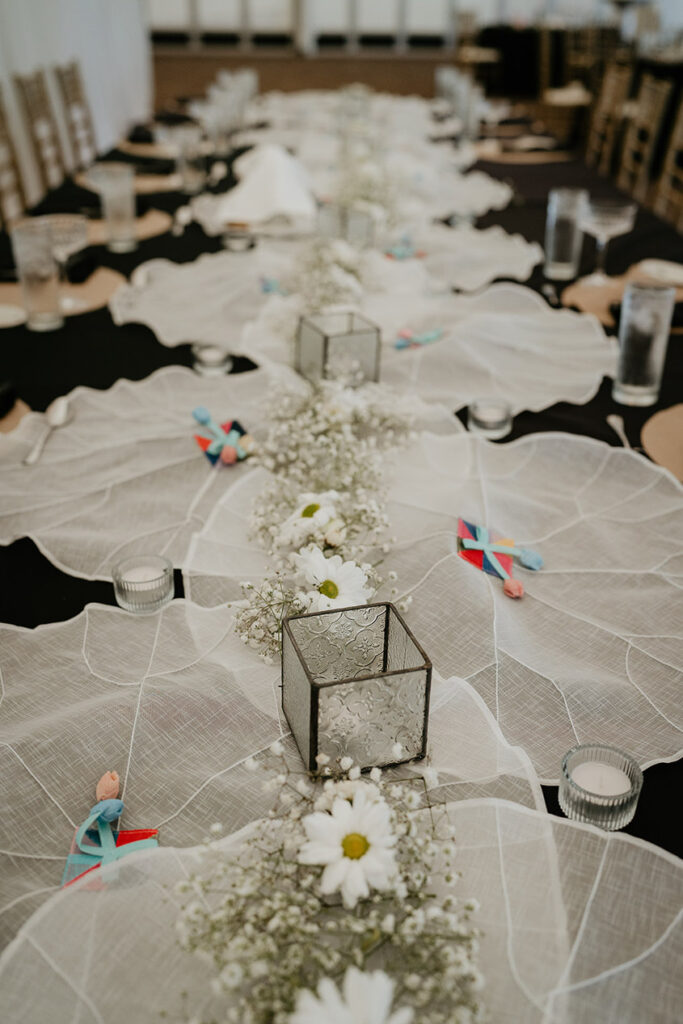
(329, 589)
(310, 511)
(355, 845)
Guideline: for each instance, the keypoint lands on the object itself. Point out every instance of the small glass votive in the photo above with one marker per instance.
(644, 328)
(210, 360)
(238, 238)
(600, 785)
(143, 583)
(489, 417)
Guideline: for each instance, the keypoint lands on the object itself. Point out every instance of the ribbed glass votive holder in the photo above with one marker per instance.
(143, 583)
(600, 785)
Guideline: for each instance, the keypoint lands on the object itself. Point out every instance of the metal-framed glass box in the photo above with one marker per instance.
(352, 223)
(338, 346)
(355, 682)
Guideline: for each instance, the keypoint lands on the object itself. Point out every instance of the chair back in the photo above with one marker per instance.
(11, 191)
(607, 116)
(641, 136)
(78, 117)
(668, 200)
(42, 127)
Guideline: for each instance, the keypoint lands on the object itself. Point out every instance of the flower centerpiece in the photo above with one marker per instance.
(321, 518)
(338, 908)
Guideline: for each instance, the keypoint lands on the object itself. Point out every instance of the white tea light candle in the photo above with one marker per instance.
(603, 779)
(600, 785)
(489, 417)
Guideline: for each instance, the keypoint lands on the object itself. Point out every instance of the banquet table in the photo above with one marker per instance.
(91, 350)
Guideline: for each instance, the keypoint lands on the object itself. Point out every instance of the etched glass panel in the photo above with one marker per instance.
(364, 719)
(342, 645)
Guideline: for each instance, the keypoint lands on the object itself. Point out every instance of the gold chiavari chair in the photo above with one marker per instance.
(78, 116)
(11, 191)
(607, 116)
(668, 202)
(40, 119)
(641, 136)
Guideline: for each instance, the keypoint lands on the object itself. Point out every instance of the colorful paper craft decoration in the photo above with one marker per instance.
(406, 338)
(404, 250)
(494, 554)
(225, 442)
(96, 844)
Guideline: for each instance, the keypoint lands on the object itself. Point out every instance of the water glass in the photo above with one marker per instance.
(191, 160)
(489, 417)
(143, 583)
(646, 314)
(39, 275)
(600, 785)
(116, 184)
(563, 234)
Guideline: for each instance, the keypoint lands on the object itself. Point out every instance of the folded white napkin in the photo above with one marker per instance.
(272, 184)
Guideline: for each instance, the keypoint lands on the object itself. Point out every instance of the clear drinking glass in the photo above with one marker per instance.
(489, 417)
(38, 274)
(143, 583)
(191, 159)
(605, 219)
(69, 233)
(646, 313)
(600, 785)
(563, 234)
(116, 184)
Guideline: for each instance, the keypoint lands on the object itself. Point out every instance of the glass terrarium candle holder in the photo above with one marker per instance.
(338, 346)
(355, 683)
(355, 225)
(600, 785)
(143, 583)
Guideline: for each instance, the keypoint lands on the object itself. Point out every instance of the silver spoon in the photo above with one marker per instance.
(57, 414)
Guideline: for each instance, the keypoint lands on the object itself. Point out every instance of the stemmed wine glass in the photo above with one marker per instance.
(605, 219)
(69, 233)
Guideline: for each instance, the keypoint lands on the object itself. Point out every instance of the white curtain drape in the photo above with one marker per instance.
(109, 39)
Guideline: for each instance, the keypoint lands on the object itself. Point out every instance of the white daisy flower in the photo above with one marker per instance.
(333, 583)
(355, 844)
(313, 512)
(364, 999)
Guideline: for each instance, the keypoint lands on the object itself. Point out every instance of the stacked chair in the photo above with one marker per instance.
(78, 116)
(641, 137)
(11, 190)
(42, 128)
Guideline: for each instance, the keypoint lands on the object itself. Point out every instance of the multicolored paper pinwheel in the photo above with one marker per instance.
(96, 844)
(404, 249)
(225, 442)
(407, 339)
(494, 554)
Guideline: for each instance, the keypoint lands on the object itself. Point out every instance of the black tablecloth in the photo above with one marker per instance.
(91, 350)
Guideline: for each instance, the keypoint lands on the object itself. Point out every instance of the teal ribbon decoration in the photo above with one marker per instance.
(487, 545)
(101, 815)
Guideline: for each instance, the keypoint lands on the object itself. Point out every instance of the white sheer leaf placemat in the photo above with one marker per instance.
(503, 341)
(468, 258)
(175, 703)
(577, 926)
(593, 652)
(126, 475)
(209, 300)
